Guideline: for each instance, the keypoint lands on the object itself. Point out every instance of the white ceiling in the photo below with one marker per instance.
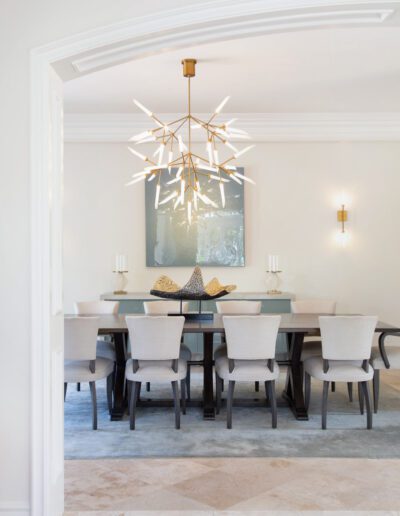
(328, 70)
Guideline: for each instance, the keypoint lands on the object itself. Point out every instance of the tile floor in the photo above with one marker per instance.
(232, 484)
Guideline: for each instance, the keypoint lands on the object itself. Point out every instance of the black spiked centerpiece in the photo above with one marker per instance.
(193, 290)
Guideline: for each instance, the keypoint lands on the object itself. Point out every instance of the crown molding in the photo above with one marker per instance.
(263, 127)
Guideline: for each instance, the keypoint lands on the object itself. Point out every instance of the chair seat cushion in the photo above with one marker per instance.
(220, 351)
(105, 349)
(311, 348)
(185, 353)
(339, 371)
(155, 371)
(393, 354)
(77, 371)
(246, 370)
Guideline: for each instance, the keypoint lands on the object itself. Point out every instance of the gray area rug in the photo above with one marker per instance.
(251, 436)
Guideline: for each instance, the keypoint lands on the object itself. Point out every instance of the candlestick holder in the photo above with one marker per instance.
(121, 282)
(273, 283)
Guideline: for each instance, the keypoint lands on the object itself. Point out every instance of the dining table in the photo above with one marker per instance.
(295, 326)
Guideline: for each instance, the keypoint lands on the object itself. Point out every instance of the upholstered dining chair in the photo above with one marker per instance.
(241, 307)
(312, 345)
(346, 351)
(80, 361)
(155, 343)
(165, 308)
(251, 347)
(105, 346)
(391, 361)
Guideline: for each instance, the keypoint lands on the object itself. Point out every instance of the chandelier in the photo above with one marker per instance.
(189, 171)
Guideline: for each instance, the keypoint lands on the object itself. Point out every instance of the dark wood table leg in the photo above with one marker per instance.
(208, 390)
(119, 402)
(293, 392)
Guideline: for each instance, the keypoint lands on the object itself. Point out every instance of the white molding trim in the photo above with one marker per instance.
(197, 23)
(263, 127)
(233, 19)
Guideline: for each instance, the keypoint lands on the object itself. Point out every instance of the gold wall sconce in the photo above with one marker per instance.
(342, 217)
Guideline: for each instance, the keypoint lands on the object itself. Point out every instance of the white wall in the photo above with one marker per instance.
(290, 212)
(23, 26)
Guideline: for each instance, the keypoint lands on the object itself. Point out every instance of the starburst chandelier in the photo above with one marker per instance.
(190, 169)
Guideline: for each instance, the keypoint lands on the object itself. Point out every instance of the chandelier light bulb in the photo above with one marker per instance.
(138, 154)
(143, 108)
(222, 192)
(221, 106)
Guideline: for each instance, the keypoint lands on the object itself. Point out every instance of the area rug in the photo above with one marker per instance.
(251, 435)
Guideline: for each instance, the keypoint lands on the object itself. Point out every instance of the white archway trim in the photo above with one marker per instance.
(263, 127)
(205, 22)
(248, 19)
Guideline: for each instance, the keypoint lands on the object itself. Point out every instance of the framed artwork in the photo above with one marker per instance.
(214, 239)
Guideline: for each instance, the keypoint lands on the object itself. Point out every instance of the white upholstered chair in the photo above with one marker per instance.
(392, 357)
(251, 346)
(165, 308)
(240, 307)
(105, 346)
(155, 343)
(346, 351)
(312, 345)
(80, 361)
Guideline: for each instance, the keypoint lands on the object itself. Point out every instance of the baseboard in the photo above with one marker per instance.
(14, 509)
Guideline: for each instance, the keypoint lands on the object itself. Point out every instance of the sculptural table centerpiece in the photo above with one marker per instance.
(194, 290)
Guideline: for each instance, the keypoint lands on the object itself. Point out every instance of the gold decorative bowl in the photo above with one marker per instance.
(194, 290)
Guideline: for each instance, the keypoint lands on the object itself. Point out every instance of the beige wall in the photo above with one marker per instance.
(24, 25)
(290, 212)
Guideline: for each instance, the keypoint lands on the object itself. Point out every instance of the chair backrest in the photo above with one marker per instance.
(314, 306)
(96, 307)
(347, 337)
(155, 337)
(239, 307)
(165, 307)
(80, 338)
(251, 338)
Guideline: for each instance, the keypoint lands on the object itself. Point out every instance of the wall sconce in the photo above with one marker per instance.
(343, 235)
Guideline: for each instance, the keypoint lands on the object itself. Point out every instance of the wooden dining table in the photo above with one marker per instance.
(294, 326)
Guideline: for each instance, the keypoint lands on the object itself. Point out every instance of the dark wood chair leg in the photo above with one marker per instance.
(324, 404)
(218, 390)
(222, 385)
(132, 403)
(360, 398)
(183, 396)
(148, 386)
(365, 388)
(65, 389)
(92, 386)
(307, 390)
(350, 390)
(257, 386)
(272, 398)
(129, 391)
(110, 380)
(78, 387)
(229, 404)
(333, 387)
(175, 391)
(267, 392)
(188, 382)
(375, 385)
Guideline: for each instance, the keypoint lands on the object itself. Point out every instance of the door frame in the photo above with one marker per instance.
(104, 47)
